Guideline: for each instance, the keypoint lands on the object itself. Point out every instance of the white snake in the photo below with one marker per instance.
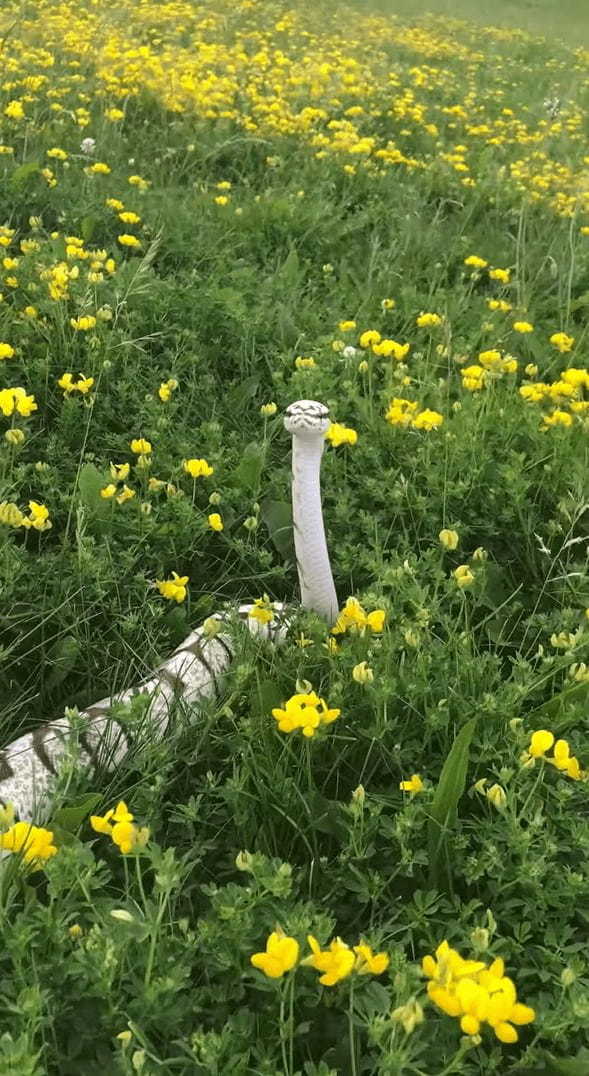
(193, 672)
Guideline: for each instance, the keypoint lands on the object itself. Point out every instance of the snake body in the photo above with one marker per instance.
(193, 672)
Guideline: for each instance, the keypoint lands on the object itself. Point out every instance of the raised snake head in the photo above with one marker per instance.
(307, 418)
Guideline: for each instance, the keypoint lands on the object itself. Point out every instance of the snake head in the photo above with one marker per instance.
(307, 418)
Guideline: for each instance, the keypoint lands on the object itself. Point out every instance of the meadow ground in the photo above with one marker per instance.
(208, 211)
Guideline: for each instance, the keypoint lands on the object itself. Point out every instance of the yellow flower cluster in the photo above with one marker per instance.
(402, 412)
(16, 400)
(335, 963)
(566, 393)
(262, 610)
(119, 826)
(197, 468)
(340, 435)
(33, 843)
(386, 348)
(542, 741)
(354, 618)
(475, 993)
(173, 589)
(490, 366)
(305, 711)
(37, 519)
(82, 385)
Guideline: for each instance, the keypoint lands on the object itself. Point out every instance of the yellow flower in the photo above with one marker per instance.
(120, 471)
(118, 825)
(557, 418)
(128, 217)
(475, 262)
(166, 389)
(413, 785)
(401, 412)
(369, 963)
(562, 342)
(388, 304)
(67, 383)
(354, 618)
(125, 495)
(502, 275)
(83, 323)
(409, 1015)
(336, 963)
(10, 514)
(38, 517)
(14, 436)
(6, 351)
(302, 363)
(305, 711)
(371, 336)
(174, 589)
(215, 522)
(140, 446)
(427, 321)
(387, 348)
(346, 326)
(427, 420)
(362, 673)
(113, 203)
(197, 468)
(16, 400)
(497, 796)
(33, 843)
(222, 199)
(99, 169)
(269, 409)
(523, 327)
(449, 539)
(108, 491)
(282, 953)
(340, 435)
(463, 576)
(540, 743)
(14, 110)
(473, 378)
(129, 240)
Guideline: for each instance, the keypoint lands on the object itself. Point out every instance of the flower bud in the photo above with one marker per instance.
(449, 539)
(497, 796)
(362, 673)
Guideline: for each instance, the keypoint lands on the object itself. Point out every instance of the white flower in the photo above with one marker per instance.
(349, 351)
(88, 145)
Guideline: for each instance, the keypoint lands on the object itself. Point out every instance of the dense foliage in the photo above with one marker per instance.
(207, 210)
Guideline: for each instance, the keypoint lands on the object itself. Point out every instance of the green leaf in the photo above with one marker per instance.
(87, 228)
(61, 659)
(561, 1066)
(20, 175)
(90, 482)
(248, 473)
(443, 810)
(70, 818)
(277, 515)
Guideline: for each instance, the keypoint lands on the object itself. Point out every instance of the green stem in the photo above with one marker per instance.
(352, 1039)
(285, 1064)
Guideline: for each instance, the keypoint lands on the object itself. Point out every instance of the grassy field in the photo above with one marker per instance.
(568, 20)
(207, 212)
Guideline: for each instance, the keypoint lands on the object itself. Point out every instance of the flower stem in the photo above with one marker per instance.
(351, 1036)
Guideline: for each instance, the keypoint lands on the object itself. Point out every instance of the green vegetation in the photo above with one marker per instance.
(260, 177)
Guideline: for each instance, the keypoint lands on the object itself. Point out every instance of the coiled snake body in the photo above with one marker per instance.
(194, 670)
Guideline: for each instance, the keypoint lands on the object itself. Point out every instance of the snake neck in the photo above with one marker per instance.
(314, 570)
